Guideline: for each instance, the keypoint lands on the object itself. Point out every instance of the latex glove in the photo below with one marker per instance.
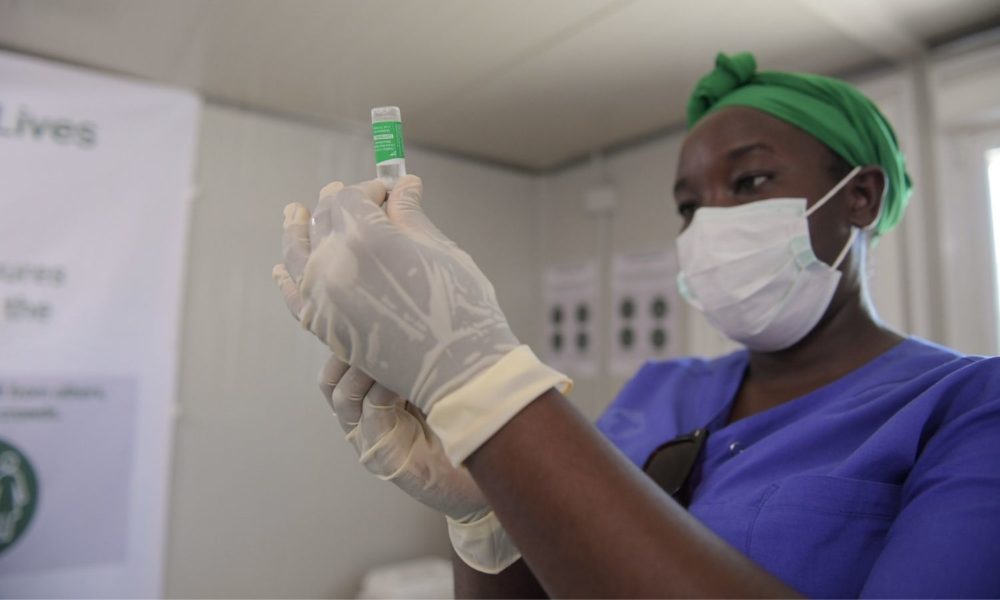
(392, 439)
(394, 443)
(392, 296)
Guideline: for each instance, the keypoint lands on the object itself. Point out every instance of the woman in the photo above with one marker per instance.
(832, 457)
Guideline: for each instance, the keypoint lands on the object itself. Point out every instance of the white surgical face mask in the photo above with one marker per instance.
(752, 271)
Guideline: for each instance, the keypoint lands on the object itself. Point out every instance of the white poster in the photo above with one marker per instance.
(643, 309)
(571, 313)
(95, 180)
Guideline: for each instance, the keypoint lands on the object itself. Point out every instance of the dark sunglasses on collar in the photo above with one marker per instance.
(672, 463)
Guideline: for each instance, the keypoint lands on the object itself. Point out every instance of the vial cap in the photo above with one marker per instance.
(386, 113)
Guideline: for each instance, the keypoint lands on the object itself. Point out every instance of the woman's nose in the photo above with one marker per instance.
(718, 199)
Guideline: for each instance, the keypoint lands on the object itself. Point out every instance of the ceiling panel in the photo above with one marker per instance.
(931, 19)
(531, 83)
(582, 94)
(341, 58)
(141, 38)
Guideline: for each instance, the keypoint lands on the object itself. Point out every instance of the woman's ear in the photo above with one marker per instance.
(866, 192)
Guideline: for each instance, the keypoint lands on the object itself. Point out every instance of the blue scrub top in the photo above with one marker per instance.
(885, 482)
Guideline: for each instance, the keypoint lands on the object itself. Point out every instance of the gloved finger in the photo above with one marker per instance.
(381, 412)
(373, 189)
(356, 208)
(378, 412)
(289, 290)
(380, 396)
(348, 395)
(330, 375)
(404, 208)
(295, 239)
(320, 225)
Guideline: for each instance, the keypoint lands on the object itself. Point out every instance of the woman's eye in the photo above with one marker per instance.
(750, 183)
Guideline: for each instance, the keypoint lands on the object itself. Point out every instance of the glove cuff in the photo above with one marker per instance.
(470, 415)
(483, 544)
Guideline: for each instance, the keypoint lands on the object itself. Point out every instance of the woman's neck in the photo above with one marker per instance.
(846, 338)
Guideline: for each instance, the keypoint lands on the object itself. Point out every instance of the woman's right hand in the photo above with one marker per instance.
(395, 444)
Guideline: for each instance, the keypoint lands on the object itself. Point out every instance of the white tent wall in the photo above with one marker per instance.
(965, 103)
(267, 498)
(644, 218)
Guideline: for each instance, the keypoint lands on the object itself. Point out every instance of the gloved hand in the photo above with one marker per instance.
(394, 443)
(392, 296)
(392, 439)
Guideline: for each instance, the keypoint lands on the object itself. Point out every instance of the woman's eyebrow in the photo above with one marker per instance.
(732, 156)
(741, 151)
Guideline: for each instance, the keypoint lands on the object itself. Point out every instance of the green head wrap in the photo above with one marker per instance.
(830, 110)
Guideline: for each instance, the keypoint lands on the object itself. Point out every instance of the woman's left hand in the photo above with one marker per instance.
(392, 438)
(390, 294)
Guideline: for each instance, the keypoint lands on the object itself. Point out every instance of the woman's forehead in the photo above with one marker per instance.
(733, 131)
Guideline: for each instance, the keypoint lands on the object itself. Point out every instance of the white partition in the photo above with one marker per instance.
(96, 183)
(965, 91)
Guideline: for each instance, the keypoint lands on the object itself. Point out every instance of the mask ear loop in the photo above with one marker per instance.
(847, 248)
(881, 205)
(824, 200)
(869, 227)
(834, 191)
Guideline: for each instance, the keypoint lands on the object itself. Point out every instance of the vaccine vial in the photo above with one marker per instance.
(387, 137)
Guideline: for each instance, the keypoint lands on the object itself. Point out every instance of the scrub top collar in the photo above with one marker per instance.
(734, 373)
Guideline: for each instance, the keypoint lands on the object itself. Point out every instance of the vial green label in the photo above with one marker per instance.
(388, 139)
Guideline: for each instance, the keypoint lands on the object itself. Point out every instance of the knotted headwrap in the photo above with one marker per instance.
(830, 110)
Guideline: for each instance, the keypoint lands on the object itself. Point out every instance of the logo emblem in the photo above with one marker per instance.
(18, 494)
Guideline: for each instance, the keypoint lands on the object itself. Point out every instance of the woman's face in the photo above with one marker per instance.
(739, 155)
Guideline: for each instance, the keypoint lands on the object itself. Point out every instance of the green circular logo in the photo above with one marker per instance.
(18, 494)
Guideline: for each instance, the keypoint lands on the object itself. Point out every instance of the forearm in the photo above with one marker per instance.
(516, 581)
(589, 523)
